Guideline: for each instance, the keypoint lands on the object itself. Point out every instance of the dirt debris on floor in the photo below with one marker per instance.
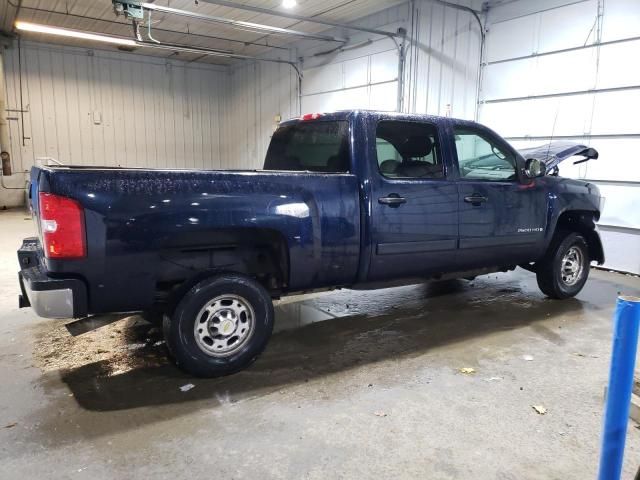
(119, 347)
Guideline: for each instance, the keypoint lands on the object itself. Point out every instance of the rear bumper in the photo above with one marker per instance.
(49, 297)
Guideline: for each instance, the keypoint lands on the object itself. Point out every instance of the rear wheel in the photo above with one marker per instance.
(220, 326)
(565, 268)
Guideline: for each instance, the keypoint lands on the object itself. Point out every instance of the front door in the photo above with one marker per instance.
(414, 217)
(502, 219)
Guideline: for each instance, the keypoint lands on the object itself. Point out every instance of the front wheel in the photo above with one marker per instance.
(220, 326)
(565, 268)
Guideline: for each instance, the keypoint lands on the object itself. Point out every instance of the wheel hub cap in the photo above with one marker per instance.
(572, 266)
(224, 325)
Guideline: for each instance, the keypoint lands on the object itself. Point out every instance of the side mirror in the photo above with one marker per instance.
(534, 168)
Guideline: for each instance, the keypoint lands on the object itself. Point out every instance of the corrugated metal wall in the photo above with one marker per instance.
(568, 69)
(443, 61)
(260, 91)
(92, 107)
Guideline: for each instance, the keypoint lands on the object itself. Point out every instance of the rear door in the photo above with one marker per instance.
(502, 219)
(414, 217)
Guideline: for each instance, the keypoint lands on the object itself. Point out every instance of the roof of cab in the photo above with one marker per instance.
(347, 114)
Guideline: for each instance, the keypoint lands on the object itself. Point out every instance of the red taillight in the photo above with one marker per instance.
(310, 116)
(62, 221)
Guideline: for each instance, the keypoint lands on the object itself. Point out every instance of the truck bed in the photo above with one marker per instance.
(147, 228)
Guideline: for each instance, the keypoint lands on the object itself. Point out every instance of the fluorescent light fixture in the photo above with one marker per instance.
(289, 3)
(64, 32)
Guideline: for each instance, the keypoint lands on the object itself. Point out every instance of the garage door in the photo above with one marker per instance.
(364, 78)
(560, 70)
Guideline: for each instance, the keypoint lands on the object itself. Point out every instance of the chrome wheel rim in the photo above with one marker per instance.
(224, 325)
(572, 266)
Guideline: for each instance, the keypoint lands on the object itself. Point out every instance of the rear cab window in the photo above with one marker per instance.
(408, 150)
(317, 146)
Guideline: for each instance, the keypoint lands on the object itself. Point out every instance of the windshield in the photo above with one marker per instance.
(310, 146)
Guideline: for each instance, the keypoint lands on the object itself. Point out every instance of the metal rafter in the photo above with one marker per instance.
(210, 52)
(155, 28)
(240, 24)
(301, 18)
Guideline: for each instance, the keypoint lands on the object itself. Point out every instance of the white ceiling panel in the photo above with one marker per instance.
(98, 16)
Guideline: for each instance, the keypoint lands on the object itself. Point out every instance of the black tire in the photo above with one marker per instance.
(549, 271)
(192, 333)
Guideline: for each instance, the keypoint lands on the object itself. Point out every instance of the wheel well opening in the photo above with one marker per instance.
(261, 254)
(583, 222)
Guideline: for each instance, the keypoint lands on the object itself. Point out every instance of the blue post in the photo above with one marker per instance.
(623, 359)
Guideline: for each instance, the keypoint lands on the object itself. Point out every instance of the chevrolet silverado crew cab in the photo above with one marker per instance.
(352, 199)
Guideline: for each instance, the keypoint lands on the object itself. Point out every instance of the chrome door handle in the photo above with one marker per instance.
(476, 200)
(393, 200)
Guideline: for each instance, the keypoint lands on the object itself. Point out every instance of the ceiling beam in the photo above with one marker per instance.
(301, 18)
(155, 28)
(256, 27)
(212, 53)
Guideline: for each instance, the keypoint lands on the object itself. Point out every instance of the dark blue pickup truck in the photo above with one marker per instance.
(352, 199)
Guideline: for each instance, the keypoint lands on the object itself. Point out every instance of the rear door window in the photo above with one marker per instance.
(314, 146)
(408, 150)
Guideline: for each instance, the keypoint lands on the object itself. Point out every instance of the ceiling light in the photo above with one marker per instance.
(64, 32)
(289, 3)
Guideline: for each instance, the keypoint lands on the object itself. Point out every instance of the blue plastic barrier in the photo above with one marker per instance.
(623, 359)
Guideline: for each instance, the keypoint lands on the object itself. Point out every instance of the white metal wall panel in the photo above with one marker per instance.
(355, 72)
(568, 94)
(621, 19)
(611, 57)
(443, 61)
(566, 27)
(513, 9)
(545, 117)
(616, 112)
(384, 66)
(260, 92)
(116, 109)
(511, 79)
(354, 78)
(501, 35)
(619, 249)
(324, 78)
(98, 108)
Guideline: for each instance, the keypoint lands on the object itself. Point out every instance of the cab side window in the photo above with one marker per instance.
(408, 150)
(479, 158)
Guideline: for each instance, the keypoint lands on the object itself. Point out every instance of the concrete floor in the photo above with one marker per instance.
(353, 385)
